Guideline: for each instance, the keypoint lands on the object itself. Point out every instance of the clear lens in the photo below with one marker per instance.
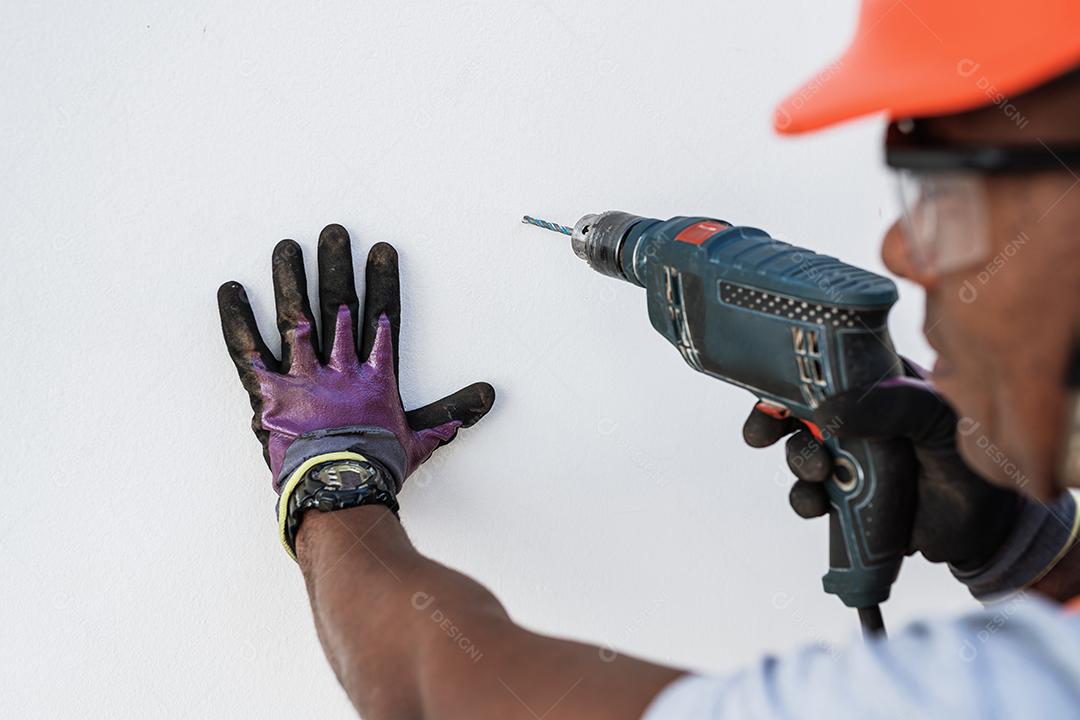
(946, 219)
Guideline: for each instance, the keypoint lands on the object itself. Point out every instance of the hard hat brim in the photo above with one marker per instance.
(928, 73)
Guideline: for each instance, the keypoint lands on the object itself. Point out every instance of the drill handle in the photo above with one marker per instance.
(872, 490)
(871, 513)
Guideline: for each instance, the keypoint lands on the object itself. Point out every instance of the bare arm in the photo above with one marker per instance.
(410, 638)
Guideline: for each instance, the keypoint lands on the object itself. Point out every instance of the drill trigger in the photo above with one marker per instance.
(778, 411)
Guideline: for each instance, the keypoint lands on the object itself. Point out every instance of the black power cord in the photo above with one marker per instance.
(873, 626)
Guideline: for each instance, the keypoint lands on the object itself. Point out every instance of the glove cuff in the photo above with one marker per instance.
(1044, 532)
(374, 443)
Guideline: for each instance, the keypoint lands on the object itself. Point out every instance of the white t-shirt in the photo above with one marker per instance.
(1017, 658)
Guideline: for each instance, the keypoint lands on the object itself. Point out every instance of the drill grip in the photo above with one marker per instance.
(871, 493)
(870, 518)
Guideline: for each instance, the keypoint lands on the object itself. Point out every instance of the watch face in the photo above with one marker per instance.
(344, 474)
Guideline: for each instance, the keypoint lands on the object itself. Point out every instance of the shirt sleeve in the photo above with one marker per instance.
(1017, 658)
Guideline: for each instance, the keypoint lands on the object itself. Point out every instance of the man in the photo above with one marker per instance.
(986, 111)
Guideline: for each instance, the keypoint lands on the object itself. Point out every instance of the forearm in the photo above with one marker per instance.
(354, 563)
(408, 637)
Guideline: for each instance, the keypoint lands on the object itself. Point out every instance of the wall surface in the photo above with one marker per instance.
(152, 150)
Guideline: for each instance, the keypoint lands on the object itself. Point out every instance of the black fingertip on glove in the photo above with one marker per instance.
(808, 499)
(762, 430)
(467, 406)
(807, 457)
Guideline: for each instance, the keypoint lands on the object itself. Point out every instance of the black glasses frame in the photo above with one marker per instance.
(908, 148)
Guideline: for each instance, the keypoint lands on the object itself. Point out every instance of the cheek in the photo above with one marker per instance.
(969, 317)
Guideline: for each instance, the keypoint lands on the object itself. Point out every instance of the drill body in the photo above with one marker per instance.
(793, 327)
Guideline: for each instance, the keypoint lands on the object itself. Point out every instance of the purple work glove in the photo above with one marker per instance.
(309, 405)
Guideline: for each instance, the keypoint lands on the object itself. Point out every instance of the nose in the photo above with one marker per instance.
(897, 255)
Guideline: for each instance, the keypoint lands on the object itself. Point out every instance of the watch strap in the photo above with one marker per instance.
(302, 492)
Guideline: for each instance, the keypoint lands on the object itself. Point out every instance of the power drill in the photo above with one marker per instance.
(793, 327)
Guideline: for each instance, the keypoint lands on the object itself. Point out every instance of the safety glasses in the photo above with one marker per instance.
(943, 190)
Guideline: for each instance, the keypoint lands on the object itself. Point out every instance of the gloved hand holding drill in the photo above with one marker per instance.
(960, 518)
(313, 408)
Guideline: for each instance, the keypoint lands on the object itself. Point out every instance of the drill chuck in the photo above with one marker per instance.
(598, 239)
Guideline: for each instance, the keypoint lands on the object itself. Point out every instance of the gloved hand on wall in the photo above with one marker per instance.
(960, 518)
(343, 399)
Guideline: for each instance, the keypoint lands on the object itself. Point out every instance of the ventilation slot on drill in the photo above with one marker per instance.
(812, 380)
(673, 293)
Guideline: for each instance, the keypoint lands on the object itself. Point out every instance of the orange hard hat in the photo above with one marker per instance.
(914, 58)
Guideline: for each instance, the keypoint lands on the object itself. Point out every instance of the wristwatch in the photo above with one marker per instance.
(336, 485)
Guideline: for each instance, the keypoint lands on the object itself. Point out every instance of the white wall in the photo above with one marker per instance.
(151, 151)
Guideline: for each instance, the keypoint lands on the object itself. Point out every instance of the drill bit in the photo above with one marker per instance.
(548, 225)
